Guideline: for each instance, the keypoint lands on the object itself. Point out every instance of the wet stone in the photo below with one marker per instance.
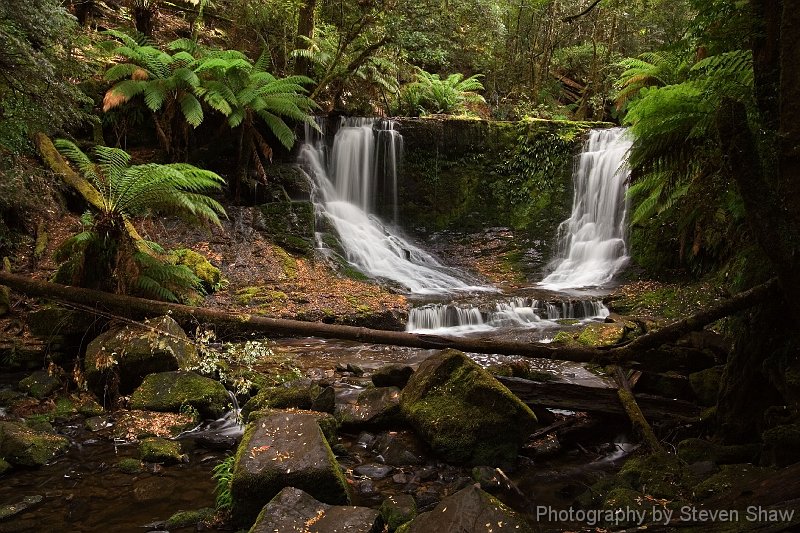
(392, 376)
(325, 401)
(397, 451)
(28, 503)
(375, 407)
(295, 510)
(373, 471)
(398, 509)
(40, 384)
(284, 449)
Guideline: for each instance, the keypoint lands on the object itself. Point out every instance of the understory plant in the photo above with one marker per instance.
(108, 254)
(223, 475)
(430, 94)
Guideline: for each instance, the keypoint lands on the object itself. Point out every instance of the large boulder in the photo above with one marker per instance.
(23, 446)
(297, 394)
(284, 449)
(374, 407)
(122, 356)
(469, 509)
(40, 384)
(464, 413)
(295, 510)
(176, 391)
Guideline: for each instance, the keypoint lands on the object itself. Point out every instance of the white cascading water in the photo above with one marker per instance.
(592, 241)
(346, 193)
(516, 312)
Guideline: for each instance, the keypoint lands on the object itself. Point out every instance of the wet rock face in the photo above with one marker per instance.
(295, 510)
(470, 509)
(376, 407)
(392, 376)
(283, 449)
(463, 413)
(173, 391)
(123, 356)
(22, 446)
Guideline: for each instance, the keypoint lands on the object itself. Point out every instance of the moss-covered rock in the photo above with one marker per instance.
(660, 475)
(135, 425)
(40, 384)
(290, 224)
(23, 446)
(129, 465)
(5, 300)
(468, 510)
(706, 383)
(209, 275)
(53, 320)
(694, 450)
(121, 357)
(597, 334)
(398, 509)
(5, 466)
(183, 519)
(283, 449)
(297, 394)
(725, 479)
(181, 390)
(464, 413)
(781, 445)
(158, 450)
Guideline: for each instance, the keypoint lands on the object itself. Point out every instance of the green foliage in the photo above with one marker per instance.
(104, 250)
(36, 93)
(675, 158)
(223, 474)
(430, 94)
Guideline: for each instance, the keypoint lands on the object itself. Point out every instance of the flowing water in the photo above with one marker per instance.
(364, 153)
(592, 241)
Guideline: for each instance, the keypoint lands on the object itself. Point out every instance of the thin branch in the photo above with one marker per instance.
(572, 18)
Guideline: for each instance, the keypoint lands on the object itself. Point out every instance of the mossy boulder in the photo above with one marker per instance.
(728, 477)
(40, 384)
(470, 509)
(602, 334)
(295, 510)
(184, 519)
(181, 390)
(661, 475)
(375, 407)
(121, 357)
(158, 450)
(398, 509)
(129, 465)
(5, 300)
(464, 413)
(695, 450)
(706, 384)
(781, 445)
(290, 224)
(209, 275)
(283, 449)
(23, 446)
(298, 394)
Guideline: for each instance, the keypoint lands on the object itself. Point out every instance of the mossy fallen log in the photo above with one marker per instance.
(240, 323)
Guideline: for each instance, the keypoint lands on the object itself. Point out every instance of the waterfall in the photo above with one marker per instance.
(592, 241)
(514, 312)
(363, 166)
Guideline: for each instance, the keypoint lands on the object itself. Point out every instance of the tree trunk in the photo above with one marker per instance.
(240, 323)
(305, 28)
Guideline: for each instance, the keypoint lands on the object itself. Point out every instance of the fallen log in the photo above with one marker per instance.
(240, 323)
(634, 412)
(605, 400)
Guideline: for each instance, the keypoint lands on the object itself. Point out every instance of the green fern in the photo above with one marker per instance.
(429, 93)
(223, 475)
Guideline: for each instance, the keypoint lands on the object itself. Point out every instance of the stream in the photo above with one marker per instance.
(84, 491)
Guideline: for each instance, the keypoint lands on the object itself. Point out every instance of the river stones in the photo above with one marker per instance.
(283, 449)
(295, 510)
(398, 509)
(174, 391)
(374, 407)
(40, 384)
(394, 375)
(463, 413)
(22, 446)
(121, 357)
(297, 394)
(470, 509)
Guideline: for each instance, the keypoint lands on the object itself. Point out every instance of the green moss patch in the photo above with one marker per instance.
(176, 391)
(158, 450)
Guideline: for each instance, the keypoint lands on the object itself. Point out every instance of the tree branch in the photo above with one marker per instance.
(572, 18)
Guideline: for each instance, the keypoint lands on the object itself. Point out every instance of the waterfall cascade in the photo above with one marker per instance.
(513, 312)
(363, 166)
(592, 241)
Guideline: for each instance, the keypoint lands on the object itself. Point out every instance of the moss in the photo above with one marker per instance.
(158, 450)
(23, 446)
(41, 241)
(563, 337)
(706, 383)
(129, 465)
(297, 394)
(694, 450)
(601, 334)
(260, 296)
(463, 413)
(782, 445)
(174, 391)
(189, 518)
(288, 263)
(5, 300)
(289, 224)
(5, 466)
(729, 476)
(209, 275)
(40, 384)
(660, 475)
(396, 510)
